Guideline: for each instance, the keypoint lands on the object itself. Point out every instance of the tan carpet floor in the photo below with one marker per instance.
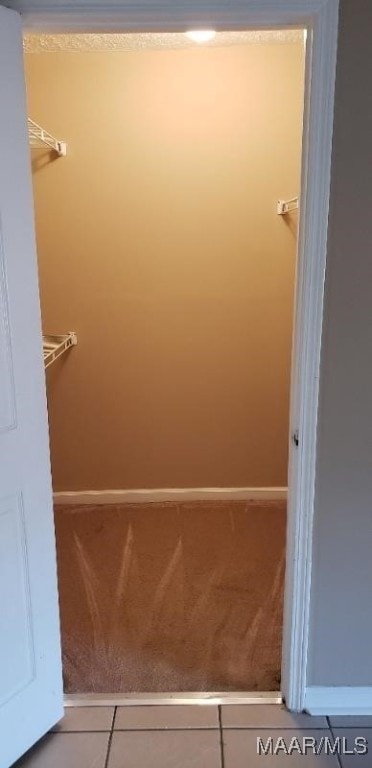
(171, 597)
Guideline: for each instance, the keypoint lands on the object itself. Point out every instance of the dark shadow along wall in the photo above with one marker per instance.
(159, 244)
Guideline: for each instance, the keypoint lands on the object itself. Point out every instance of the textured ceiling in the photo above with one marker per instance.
(79, 43)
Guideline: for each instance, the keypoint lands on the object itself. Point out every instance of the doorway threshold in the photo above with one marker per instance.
(199, 698)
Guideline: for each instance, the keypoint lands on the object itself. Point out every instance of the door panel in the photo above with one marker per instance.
(30, 660)
(17, 642)
(7, 403)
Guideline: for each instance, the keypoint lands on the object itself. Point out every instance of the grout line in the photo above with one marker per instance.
(338, 756)
(114, 718)
(293, 727)
(108, 749)
(221, 737)
(110, 739)
(202, 728)
(225, 728)
(208, 728)
(81, 730)
(183, 728)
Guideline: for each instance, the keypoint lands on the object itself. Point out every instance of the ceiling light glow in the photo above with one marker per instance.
(201, 35)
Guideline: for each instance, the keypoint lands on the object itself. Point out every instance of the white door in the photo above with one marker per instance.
(30, 663)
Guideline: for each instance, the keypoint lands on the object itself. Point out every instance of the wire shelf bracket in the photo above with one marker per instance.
(39, 137)
(287, 206)
(55, 346)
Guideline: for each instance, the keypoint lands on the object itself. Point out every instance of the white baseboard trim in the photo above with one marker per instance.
(338, 700)
(169, 494)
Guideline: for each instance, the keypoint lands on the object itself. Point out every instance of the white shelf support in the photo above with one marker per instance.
(39, 137)
(55, 346)
(287, 206)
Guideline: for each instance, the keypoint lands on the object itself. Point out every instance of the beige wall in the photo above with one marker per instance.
(159, 244)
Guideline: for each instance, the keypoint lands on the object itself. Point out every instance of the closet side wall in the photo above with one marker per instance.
(159, 244)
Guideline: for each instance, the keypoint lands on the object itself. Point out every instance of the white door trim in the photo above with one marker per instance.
(320, 18)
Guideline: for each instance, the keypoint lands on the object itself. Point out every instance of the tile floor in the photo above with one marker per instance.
(191, 737)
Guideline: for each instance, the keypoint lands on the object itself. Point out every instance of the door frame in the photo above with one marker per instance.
(320, 19)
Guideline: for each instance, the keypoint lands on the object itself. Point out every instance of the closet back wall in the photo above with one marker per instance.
(159, 244)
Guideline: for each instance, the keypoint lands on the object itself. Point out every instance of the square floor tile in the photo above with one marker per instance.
(86, 719)
(67, 750)
(351, 721)
(267, 716)
(165, 749)
(160, 717)
(241, 750)
(349, 735)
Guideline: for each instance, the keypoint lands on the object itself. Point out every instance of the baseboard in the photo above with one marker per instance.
(169, 494)
(338, 700)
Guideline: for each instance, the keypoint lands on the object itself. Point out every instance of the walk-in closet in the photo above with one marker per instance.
(167, 176)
